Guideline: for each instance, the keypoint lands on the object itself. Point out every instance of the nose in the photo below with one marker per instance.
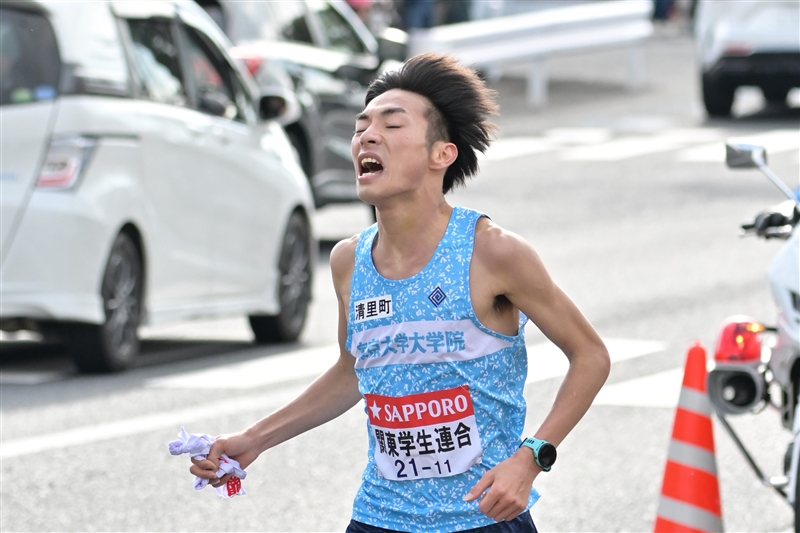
(369, 136)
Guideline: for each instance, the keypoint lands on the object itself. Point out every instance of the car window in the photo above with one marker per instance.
(340, 34)
(213, 76)
(155, 59)
(291, 19)
(247, 21)
(29, 60)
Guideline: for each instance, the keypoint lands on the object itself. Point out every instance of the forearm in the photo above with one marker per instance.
(583, 381)
(330, 396)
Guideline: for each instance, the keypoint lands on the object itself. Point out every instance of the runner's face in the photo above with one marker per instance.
(389, 146)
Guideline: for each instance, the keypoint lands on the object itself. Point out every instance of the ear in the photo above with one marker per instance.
(442, 155)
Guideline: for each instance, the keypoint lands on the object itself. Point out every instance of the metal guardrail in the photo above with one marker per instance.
(532, 38)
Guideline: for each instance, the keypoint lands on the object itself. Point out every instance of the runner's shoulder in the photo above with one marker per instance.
(343, 257)
(498, 246)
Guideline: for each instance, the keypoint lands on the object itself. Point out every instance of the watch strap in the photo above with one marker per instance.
(536, 444)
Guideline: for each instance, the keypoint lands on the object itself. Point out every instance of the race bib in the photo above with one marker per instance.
(433, 434)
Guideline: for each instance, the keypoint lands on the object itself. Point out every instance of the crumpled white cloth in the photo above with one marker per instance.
(198, 446)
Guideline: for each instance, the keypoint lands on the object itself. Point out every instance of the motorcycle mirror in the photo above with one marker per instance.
(739, 155)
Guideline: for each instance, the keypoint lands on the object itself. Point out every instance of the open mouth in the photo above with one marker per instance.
(370, 166)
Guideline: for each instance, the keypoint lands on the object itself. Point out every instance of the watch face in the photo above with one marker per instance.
(547, 455)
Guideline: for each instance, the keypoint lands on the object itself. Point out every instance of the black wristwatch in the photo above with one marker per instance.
(543, 452)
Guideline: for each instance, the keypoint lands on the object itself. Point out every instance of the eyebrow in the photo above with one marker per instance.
(384, 112)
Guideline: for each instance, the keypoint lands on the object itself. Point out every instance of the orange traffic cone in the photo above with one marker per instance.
(690, 492)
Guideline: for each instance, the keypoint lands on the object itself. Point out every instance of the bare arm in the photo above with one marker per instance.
(328, 397)
(513, 269)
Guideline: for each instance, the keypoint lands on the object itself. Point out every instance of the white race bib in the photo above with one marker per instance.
(433, 434)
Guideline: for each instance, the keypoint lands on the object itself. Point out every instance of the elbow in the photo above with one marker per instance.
(603, 364)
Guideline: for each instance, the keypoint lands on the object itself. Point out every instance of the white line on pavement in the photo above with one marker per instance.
(545, 361)
(141, 424)
(774, 141)
(656, 390)
(268, 370)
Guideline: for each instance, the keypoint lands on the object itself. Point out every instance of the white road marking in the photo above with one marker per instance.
(553, 139)
(544, 358)
(569, 136)
(775, 141)
(514, 147)
(232, 329)
(268, 370)
(598, 144)
(656, 390)
(628, 147)
(546, 361)
(142, 424)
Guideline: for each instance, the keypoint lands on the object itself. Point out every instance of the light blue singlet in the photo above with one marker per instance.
(443, 394)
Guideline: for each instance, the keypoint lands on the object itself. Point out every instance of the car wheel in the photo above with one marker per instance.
(294, 289)
(775, 95)
(113, 345)
(717, 97)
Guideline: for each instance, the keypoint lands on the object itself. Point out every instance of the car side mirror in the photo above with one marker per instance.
(353, 73)
(392, 44)
(271, 106)
(217, 104)
(744, 155)
(278, 103)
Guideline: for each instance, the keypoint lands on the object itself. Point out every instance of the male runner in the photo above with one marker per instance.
(432, 303)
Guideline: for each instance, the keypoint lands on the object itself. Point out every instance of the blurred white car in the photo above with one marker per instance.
(748, 43)
(142, 180)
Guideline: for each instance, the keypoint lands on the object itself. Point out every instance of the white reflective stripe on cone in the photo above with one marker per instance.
(695, 401)
(692, 456)
(688, 515)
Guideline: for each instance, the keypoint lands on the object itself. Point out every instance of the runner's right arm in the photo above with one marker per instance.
(330, 396)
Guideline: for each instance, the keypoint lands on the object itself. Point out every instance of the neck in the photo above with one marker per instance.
(407, 238)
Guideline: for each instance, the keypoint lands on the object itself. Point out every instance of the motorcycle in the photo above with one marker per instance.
(756, 365)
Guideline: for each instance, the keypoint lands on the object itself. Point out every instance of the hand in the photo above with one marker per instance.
(237, 446)
(509, 485)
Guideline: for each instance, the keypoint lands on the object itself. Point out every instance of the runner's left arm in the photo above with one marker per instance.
(520, 275)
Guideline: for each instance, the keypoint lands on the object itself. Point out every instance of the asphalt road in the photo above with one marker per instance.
(625, 197)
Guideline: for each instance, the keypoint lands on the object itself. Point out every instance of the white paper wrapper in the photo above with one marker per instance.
(198, 446)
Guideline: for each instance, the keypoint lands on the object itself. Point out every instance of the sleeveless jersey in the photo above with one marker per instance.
(443, 394)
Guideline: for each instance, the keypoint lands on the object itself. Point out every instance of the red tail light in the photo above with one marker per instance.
(64, 162)
(739, 341)
(250, 60)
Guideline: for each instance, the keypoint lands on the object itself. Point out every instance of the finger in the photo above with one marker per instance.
(489, 502)
(204, 464)
(484, 483)
(202, 472)
(508, 513)
(219, 482)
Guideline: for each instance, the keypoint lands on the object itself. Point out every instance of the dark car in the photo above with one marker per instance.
(324, 53)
